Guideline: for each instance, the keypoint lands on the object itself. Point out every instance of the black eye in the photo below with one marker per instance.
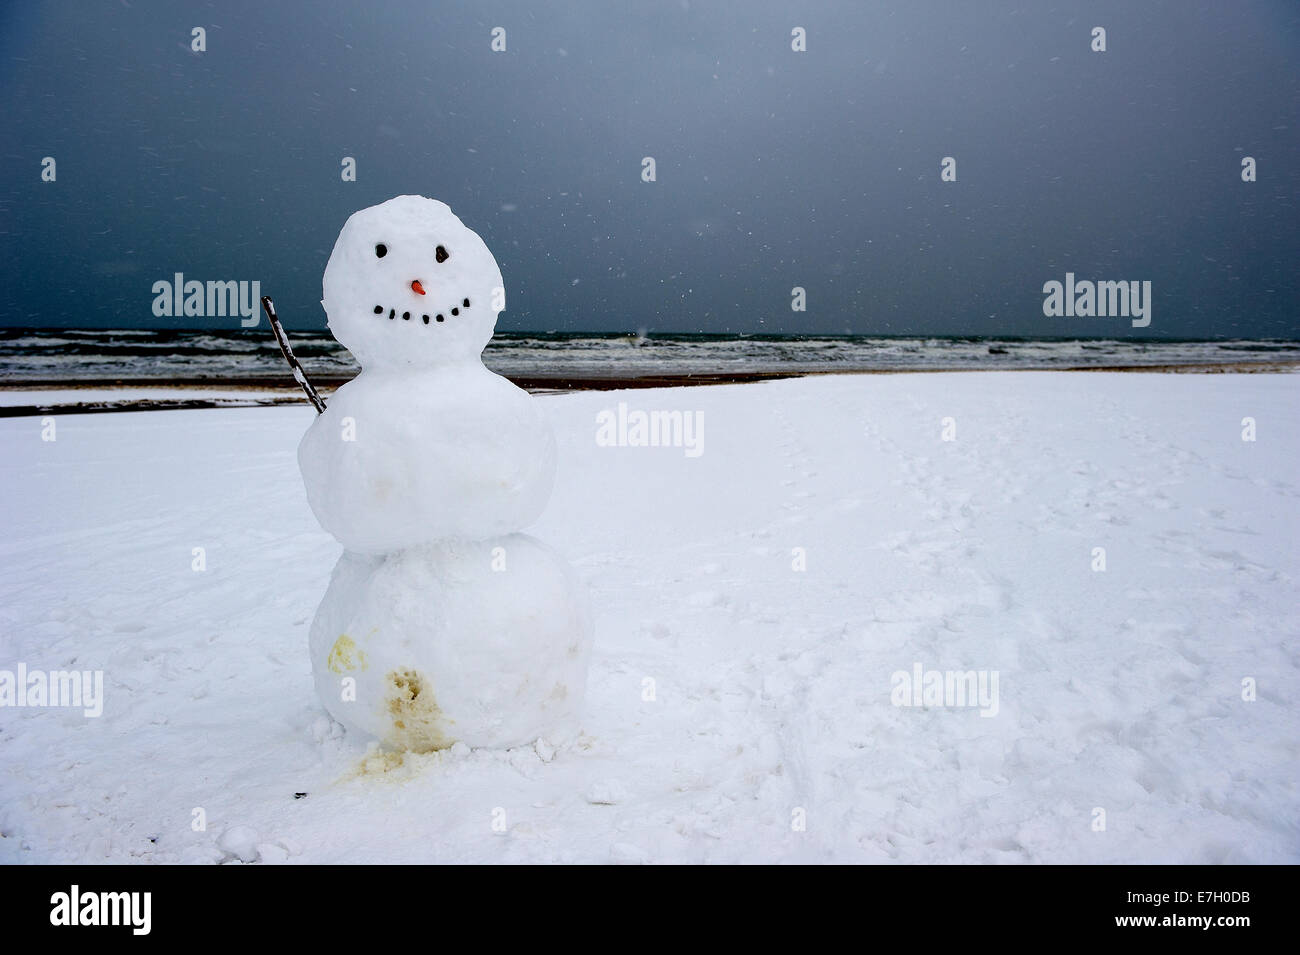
(440, 254)
(381, 250)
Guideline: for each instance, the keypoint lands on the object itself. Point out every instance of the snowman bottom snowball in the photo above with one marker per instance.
(481, 642)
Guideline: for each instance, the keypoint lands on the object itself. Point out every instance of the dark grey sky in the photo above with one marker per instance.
(775, 168)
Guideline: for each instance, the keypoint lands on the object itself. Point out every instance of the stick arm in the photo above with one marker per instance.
(286, 349)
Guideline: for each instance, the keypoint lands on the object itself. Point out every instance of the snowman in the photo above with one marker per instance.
(442, 622)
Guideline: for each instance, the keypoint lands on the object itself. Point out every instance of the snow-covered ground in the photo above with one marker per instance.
(739, 708)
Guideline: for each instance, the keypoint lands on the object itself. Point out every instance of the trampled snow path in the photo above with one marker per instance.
(1119, 690)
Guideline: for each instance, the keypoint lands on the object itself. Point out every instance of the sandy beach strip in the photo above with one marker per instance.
(25, 398)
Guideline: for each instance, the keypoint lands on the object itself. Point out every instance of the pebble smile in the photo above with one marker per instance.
(392, 312)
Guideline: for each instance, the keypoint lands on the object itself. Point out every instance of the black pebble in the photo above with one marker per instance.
(426, 319)
(455, 311)
(406, 315)
(379, 309)
(466, 303)
(298, 795)
(392, 313)
(440, 254)
(439, 318)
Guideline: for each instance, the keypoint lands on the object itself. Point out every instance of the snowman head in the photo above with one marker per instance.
(407, 285)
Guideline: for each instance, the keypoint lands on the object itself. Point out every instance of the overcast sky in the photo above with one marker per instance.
(775, 169)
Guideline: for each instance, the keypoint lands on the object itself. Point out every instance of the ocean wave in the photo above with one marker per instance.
(28, 355)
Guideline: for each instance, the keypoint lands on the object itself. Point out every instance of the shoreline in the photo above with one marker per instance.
(280, 390)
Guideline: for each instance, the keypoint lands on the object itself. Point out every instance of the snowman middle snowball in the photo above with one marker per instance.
(441, 623)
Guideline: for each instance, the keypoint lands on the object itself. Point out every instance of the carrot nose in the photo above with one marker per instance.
(417, 288)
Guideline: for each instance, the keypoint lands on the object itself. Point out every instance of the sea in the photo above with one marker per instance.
(36, 357)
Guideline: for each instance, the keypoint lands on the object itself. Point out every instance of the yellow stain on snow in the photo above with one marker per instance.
(344, 656)
(418, 723)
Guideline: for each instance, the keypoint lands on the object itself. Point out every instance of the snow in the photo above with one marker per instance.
(239, 842)
(739, 710)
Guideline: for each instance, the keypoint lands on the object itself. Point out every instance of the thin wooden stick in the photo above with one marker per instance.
(299, 375)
